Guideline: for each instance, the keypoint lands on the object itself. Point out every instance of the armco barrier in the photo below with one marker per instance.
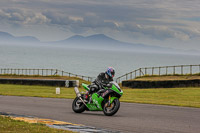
(47, 82)
(162, 84)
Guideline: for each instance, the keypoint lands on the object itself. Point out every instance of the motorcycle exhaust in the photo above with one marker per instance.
(77, 92)
(79, 95)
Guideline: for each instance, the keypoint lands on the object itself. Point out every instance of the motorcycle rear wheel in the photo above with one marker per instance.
(78, 106)
(109, 111)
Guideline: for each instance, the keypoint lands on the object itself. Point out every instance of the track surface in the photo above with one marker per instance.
(136, 118)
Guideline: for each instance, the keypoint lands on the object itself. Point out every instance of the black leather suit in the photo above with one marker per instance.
(100, 81)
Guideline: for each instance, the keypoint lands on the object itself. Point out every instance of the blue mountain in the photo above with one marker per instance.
(101, 41)
(97, 41)
(8, 38)
(4, 35)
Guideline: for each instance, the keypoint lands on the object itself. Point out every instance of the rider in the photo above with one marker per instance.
(103, 79)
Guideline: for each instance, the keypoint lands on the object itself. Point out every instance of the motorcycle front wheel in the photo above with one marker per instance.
(78, 106)
(112, 109)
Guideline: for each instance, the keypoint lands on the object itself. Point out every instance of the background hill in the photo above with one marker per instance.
(97, 41)
(101, 41)
(7, 38)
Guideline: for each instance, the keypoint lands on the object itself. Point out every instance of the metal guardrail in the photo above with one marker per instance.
(164, 70)
(42, 72)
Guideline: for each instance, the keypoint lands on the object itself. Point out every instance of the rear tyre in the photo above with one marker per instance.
(109, 111)
(78, 106)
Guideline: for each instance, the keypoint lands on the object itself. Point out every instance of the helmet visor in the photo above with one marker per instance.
(113, 73)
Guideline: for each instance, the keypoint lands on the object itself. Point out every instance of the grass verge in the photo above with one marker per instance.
(35, 91)
(189, 97)
(14, 126)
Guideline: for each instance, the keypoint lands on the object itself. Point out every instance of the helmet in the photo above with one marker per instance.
(110, 72)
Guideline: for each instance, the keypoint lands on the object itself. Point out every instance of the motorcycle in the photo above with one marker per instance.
(106, 99)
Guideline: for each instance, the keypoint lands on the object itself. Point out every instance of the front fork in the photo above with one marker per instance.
(110, 101)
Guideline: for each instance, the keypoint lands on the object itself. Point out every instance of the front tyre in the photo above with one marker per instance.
(112, 109)
(78, 106)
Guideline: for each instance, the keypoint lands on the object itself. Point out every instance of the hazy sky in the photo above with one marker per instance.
(169, 23)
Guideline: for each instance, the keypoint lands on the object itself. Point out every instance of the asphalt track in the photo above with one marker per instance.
(136, 118)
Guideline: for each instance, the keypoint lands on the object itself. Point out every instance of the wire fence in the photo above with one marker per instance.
(158, 71)
(147, 71)
(42, 72)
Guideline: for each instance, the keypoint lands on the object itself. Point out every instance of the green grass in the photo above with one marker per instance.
(35, 91)
(189, 97)
(7, 125)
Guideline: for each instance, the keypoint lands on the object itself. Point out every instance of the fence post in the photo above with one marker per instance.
(152, 71)
(199, 69)
(181, 69)
(56, 71)
(140, 72)
(135, 74)
(174, 70)
(131, 75)
(145, 71)
(159, 71)
(190, 69)
(166, 70)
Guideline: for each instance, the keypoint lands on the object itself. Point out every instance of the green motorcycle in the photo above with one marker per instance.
(106, 99)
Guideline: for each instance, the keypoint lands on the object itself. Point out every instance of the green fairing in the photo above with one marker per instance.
(112, 99)
(97, 103)
(92, 107)
(85, 86)
(114, 88)
(97, 100)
